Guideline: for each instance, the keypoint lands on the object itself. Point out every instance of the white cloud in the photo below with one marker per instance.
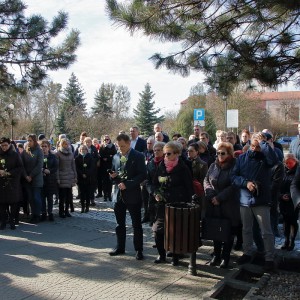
(111, 55)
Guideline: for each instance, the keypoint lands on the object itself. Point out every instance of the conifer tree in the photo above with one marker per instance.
(249, 39)
(72, 104)
(26, 47)
(103, 100)
(145, 114)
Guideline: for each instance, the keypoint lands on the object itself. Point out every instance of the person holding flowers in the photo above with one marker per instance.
(11, 168)
(172, 183)
(128, 172)
(50, 183)
(33, 159)
(84, 167)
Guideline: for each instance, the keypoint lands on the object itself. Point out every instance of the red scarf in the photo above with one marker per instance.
(170, 164)
(157, 160)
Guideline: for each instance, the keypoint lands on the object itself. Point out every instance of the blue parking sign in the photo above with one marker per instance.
(199, 114)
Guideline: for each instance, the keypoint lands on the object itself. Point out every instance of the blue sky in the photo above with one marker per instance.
(111, 55)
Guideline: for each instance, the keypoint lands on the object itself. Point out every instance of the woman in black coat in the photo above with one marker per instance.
(222, 198)
(84, 168)
(286, 205)
(11, 168)
(107, 151)
(50, 187)
(172, 183)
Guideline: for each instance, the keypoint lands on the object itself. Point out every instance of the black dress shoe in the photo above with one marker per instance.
(224, 264)
(2, 226)
(62, 215)
(175, 261)
(139, 255)
(215, 261)
(12, 226)
(67, 214)
(116, 252)
(160, 259)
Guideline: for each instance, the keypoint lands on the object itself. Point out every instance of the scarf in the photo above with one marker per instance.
(157, 160)
(170, 164)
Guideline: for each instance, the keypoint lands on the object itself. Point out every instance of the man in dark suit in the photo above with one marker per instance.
(136, 142)
(128, 172)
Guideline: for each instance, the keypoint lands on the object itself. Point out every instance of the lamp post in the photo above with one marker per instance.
(11, 108)
(224, 98)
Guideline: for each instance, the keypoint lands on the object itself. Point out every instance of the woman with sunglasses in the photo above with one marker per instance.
(172, 183)
(221, 195)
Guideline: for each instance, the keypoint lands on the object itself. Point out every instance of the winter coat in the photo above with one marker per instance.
(295, 187)
(33, 163)
(50, 180)
(107, 153)
(295, 148)
(255, 166)
(217, 183)
(10, 187)
(199, 169)
(84, 166)
(286, 207)
(66, 173)
(179, 186)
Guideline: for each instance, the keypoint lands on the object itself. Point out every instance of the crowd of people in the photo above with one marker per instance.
(245, 179)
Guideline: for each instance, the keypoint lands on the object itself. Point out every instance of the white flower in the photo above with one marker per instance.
(123, 159)
(84, 165)
(45, 160)
(2, 161)
(162, 179)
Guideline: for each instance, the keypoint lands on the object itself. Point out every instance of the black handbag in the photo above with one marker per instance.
(216, 228)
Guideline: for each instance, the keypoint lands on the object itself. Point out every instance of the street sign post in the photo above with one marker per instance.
(199, 116)
(232, 118)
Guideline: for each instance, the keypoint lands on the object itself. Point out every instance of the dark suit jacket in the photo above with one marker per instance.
(136, 173)
(141, 145)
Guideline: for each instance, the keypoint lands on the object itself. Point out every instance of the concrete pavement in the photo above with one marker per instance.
(68, 259)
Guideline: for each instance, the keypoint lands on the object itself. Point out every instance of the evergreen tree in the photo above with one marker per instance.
(25, 42)
(72, 104)
(252, 39)
(103, 100)
(145, 115)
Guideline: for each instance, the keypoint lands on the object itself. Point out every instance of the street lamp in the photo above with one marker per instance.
(224, 98)
(11, 108)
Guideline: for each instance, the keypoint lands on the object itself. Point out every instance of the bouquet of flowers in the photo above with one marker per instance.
(122, 174)
(5, 176)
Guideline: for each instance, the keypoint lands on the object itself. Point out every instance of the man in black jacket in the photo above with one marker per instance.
(136, 142)
(128, 172)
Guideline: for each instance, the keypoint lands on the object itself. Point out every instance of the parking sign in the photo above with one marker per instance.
(199, 114)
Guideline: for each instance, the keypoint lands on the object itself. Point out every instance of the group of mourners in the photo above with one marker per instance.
(245, 180)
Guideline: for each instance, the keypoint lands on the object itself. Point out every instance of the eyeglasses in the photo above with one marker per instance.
(221, 153)
(168, 154)
(106, 139)
(44, 146)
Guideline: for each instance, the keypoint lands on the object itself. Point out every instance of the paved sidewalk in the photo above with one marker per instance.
(68, 259)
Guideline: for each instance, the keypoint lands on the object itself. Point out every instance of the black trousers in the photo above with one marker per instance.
(9, 210)
(135, 214)
(85, 197)
(65, 200)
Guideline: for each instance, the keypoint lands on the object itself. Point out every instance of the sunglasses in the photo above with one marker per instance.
(221, 153)
(106, 139)
(168, 154)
